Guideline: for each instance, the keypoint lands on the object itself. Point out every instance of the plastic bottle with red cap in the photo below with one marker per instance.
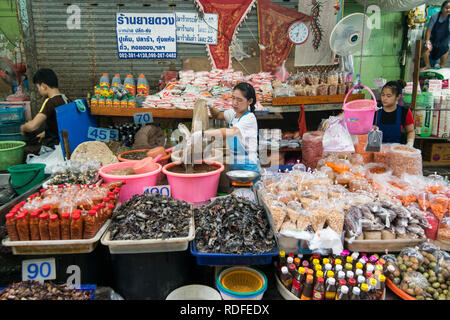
(65, 226)
(43, 226)
(11, 228)
(102, 211)
(34, 224)
(54, 227)
(109, 211)
(22, 228)
(76, 225)
(89, 225)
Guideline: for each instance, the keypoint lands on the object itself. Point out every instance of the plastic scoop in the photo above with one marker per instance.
(146, 165)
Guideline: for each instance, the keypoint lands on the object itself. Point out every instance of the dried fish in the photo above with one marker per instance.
(33, 290)
(232, 225)
(151, 216)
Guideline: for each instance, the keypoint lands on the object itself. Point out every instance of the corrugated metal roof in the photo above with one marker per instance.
(80, 56)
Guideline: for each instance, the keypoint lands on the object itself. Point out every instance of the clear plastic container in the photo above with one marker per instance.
(142, 86)
(104, 80)
(130, 84)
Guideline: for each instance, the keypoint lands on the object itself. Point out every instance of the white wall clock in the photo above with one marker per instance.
(298, 32)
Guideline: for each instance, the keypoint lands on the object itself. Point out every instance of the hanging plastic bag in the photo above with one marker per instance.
(282, 74)
(374, 141)
(337, 138)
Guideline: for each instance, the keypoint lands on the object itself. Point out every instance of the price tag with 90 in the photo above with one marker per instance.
(39, 269)
(99, 134)
(143, 118)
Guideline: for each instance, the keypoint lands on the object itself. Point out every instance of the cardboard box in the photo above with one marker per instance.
(437, 153)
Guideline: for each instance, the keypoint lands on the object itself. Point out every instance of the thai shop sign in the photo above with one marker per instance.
(193, 29)
(146, 36)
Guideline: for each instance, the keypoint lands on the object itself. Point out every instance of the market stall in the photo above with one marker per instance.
(145, 203)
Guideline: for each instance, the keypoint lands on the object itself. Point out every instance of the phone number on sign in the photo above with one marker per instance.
(147, 55)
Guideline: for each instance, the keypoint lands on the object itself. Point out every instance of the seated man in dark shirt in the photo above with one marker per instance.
(46, 82)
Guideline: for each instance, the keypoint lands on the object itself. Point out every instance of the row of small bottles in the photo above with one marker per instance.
(45, 224)
(344, 277)
(113, 102)
(141, 88)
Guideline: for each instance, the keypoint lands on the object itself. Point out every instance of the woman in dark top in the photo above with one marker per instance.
(437, 38)
(393, 118)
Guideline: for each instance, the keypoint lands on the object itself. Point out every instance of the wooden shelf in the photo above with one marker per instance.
(299, 100)
(428, 164)
(129, 112)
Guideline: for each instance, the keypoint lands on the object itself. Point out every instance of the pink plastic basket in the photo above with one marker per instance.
(197, 187)
(359, 113)
(133, 184)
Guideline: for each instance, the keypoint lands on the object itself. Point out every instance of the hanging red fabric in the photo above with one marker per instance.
(274, 21)
(231, 14)
(302, 121)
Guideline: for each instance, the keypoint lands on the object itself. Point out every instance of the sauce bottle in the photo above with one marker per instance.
(330, 291)
(281, 260)
(341, 276)
(22, 227)
(308, 288)
(348, 266)
(130, 85)
(328, 268)
(342, 283)
(11, 228)
(104, 80)
(131, 102)
(124, 102)
(355, 294)
(361, 281)
(338, 269)
(350, 275)
(101, 212)
(373, 289)
(54, 227)
(43, 226)
(65, 226)
(319, 289)
(286, 277)
(343, 294)
(358, 272)
(292, 269)
(116, 102)
(380, 287)
(359, 266)
(355, 256)
(315, 262)
(364, 291)
(351, 284)
(34, 224)
(295, 289)
(297, 263)
(305, 264)
(94, 101)
(142, 86)
(76, 225)
(298, 282)
(116, 80)
(310, 272)
(89, 225)
(289, 259)
(110, 210)
(338, 261)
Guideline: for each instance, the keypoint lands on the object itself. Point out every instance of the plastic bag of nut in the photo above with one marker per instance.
(332, 89)
(444, 230)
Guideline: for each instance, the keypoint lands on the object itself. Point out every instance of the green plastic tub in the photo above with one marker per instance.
(25, 176)
(11, 153)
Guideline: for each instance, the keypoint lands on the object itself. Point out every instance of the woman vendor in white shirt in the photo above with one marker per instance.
(242, 131)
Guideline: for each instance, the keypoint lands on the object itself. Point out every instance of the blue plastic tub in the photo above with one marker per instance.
(10, 127)
(83, 287)
(11, 114)
(223, 259)
(12, 137)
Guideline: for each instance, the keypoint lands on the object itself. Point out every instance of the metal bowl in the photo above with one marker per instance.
(242, 176)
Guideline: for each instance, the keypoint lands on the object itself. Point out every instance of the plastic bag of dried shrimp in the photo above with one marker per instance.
(404, 159)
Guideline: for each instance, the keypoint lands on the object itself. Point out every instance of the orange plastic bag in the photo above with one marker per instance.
(360, 148)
